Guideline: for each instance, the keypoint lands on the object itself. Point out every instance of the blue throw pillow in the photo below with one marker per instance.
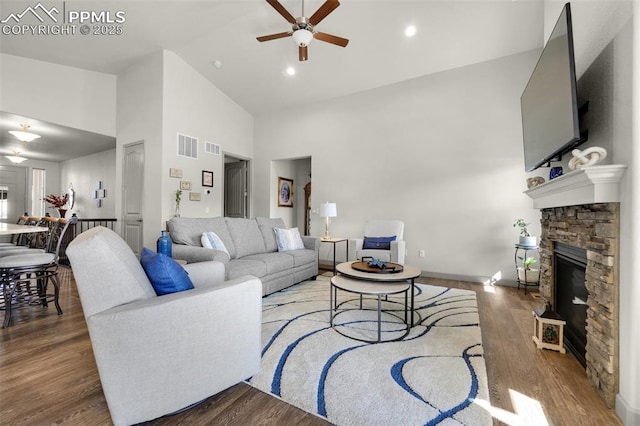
(165, 274)
(378, 243)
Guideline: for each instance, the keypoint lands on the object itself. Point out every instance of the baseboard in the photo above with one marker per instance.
(470, 278)
(628, 415)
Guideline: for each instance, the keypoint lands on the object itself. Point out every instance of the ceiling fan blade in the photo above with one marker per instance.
(339, 41)
(322, 12)
(282, 11)
(303, 54)
(274, 36)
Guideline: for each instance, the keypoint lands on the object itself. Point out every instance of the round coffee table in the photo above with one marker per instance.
(376, 284)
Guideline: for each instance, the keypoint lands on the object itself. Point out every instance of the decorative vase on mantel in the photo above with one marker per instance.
(62, 212)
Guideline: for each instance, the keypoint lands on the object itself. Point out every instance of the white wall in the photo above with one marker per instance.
(194, 107)
(604, 48)
(438, 152)
(139, 112)
(84, 173)
(59, 94)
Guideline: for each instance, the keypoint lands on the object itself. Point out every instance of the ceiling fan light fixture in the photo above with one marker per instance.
(24, 135)
(302, 37)
(15, 159)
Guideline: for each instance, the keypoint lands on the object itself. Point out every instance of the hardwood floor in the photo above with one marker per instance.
(48, 374)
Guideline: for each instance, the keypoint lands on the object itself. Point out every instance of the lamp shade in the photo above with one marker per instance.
(302, 37)
(328, 210)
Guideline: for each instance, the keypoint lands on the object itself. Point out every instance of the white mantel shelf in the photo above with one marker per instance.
(595, 184)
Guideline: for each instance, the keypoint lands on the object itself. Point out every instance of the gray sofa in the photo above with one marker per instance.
(160, 354)
(252, 248)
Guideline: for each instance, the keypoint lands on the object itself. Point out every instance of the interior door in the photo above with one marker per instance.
(236, 192)
(13, 184)
(132, 191)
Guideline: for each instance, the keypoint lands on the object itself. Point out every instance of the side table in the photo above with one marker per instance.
(334, 241)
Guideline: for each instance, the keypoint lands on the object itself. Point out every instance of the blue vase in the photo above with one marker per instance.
(164, 244)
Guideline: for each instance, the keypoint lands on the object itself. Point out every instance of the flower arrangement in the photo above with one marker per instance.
(55, 201)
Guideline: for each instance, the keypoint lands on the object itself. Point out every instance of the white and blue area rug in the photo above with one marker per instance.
(431, 377)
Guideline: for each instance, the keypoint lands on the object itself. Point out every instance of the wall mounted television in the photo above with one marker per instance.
(549, 103)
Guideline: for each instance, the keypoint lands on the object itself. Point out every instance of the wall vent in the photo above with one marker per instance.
(187, 146)
(211, 148)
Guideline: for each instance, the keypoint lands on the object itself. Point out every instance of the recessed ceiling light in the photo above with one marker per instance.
(290, 71)
(217, 64)
(410, 31)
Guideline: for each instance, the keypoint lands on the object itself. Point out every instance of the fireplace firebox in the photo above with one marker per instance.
(570, 264)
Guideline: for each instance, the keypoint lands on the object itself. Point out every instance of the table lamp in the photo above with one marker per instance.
(327, 210)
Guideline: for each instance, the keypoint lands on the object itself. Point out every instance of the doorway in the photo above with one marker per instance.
(236, 187)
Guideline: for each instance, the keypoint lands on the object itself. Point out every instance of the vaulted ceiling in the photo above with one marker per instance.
(449, 34)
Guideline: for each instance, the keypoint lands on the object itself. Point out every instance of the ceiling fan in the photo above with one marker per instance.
(303, 28)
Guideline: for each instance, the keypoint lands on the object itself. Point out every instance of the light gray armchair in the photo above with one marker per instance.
(159, 354)
(380, 228)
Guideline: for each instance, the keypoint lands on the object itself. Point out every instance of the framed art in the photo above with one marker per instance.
(185, 185)
(174, 173)
(285, 192)
(207, 178)
(194, 196)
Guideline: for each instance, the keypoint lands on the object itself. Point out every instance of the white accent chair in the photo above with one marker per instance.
(380, 228)
(159, 354)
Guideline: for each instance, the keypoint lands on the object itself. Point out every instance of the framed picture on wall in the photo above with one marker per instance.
(207, 178)
(285, 192)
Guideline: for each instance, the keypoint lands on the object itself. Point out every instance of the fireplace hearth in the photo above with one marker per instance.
(570, 295)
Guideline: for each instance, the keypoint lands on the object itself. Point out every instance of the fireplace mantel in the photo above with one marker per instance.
(590, 185)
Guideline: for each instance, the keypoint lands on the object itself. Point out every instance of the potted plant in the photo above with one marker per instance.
(527, 274)
(178, 198)
(57, 202)
(525, 237)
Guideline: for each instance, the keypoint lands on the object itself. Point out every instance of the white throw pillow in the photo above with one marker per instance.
(288, 239)
(211, 240)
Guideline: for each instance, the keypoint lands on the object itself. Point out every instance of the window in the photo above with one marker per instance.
(39, 179)
(4, 205)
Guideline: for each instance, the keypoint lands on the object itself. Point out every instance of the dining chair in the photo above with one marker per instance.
(24, 277)
(14, 238)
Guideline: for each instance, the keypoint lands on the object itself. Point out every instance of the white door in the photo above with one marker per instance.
(13, 193)
(132, 190)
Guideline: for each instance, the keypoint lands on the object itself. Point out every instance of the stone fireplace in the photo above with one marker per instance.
(594, 228)
(581, 213)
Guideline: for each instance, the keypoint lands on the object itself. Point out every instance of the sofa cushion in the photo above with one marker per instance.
(165, 274)
(275, 262)
(246, 236)
(240, 267)
(266, 226)
(100, 252)
(288, 239)
(302, 257)
(188, 230)
(211, 240)
(378, 243)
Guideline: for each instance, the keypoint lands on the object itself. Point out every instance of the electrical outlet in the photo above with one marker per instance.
(421, 253)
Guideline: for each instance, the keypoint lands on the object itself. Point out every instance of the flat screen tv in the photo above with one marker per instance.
(550, 120)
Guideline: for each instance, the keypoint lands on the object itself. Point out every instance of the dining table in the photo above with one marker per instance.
(12, 228)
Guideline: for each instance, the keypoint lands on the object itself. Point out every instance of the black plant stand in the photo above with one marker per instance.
(529, 280)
